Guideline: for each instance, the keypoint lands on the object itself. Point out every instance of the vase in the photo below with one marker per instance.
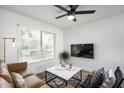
(63, 64)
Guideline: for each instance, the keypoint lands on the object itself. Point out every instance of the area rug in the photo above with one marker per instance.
(71, 81)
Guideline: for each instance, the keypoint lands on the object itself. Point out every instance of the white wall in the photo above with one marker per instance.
(107, 35)
(8, 28)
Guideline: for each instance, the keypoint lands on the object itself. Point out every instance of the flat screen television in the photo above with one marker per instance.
(82, 50)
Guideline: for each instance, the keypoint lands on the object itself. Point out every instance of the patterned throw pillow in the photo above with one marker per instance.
(97, 78)
(111, 75)
(18, 80)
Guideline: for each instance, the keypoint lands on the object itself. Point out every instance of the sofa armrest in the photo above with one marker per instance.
(1, 60)
(15, 67)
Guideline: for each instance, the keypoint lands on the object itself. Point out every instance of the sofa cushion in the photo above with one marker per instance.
(46, 86)
(4, 83)
(18, 80)
(14, 67)
(33, 82)
(25, 73)
(4, 73)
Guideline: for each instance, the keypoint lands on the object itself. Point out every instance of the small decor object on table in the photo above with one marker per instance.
(70, 66)
(64, 56)
(63, 64)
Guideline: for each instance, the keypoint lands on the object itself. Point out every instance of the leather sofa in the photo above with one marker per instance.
(6, 81)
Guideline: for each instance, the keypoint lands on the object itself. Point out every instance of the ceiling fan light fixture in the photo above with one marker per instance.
(70, 17)
(72, 12)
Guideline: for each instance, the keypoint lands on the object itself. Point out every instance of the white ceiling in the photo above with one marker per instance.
(47, 13)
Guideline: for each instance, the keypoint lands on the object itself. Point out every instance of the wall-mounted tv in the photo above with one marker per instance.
(82, 50)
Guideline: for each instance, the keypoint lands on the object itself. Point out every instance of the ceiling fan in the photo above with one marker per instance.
(72, 12)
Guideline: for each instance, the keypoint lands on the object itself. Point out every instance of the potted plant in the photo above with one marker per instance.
(64, 56)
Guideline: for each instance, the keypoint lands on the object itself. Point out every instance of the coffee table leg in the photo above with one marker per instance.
(46, 77)
(81, 75)
(79, 79)
(66, 83)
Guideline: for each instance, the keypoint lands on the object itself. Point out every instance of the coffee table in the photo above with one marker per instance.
(61, 75)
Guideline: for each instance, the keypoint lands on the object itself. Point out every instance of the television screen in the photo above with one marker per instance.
(82, 50)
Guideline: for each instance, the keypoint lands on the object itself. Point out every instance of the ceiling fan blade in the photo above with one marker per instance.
(70, 6)
(62, 8)
(61, 16)
(85, 12)
(73, 7)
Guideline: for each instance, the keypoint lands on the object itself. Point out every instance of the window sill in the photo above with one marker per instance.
(38, 61)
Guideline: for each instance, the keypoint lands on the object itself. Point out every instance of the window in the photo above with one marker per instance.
(36, 45)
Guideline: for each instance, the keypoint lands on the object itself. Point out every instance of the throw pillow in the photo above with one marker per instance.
(111, 76)
(97, 78)
(18, 80)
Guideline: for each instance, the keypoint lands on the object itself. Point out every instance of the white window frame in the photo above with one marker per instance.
(35, 61)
